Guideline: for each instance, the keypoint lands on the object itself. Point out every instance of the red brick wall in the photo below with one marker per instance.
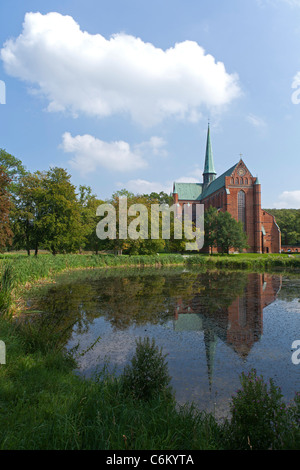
(272, 239)
(226, 199)
(290, 249)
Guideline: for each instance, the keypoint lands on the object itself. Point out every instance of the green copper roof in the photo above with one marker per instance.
(194, 191)
(209, 161)
(218, 183)
(188, 191)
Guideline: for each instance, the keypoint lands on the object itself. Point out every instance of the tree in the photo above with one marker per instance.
(59, 218)
(135, 236)
(5, 206)
(210, 228)
(288, 221)
(26, 212)
(14, 169)
(88, 206)
(230, 233)
(160, 198)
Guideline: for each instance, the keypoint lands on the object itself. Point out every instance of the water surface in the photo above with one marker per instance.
(211, 325)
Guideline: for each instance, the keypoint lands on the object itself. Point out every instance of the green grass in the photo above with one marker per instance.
(44, 405)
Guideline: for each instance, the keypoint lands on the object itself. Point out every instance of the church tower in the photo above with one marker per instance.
(209, 173)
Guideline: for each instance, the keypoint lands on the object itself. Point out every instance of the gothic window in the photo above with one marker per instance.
(242, 181)
(194, 212)
(242, 208)
(236, 181)
(246, 180)
(232, 180)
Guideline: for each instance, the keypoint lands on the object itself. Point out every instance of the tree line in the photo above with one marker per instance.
(44, 210)
(289, 222)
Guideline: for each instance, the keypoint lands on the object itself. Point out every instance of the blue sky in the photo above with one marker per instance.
(119, 92)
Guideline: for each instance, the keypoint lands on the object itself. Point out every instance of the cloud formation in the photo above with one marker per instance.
(84, 73)
(90, 154)
(256, 121)
(289, 200)
(141, 186)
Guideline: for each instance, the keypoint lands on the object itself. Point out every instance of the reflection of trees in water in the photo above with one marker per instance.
(220, 289)
(290, 288)
(136, 297)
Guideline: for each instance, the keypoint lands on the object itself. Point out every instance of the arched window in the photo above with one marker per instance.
(236, 181)
(242, 208)
(242, 181)
(232, 180)
(246, 180)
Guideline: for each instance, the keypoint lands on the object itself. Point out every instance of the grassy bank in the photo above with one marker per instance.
(30, 269)
(44, 405)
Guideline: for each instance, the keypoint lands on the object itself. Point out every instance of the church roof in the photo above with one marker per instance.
(188, 191)
(218, 183)
(194, 191)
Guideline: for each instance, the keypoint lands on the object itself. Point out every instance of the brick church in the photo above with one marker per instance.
(237, 192)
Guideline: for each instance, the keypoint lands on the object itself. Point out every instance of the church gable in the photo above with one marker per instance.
(240, 175)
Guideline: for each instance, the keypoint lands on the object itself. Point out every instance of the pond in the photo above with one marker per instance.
(211, 324)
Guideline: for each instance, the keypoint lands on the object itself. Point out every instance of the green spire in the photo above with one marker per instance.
(209, 173)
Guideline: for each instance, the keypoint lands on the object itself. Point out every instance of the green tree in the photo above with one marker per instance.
(27, 212)
(88, 207)
(59, 218)
(160, 198)
(14, 169)
(143, 244)
(210, 228)
(230, 233)
(288, 221)
(5, 206)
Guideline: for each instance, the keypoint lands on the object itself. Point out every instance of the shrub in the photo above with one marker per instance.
(260, 419)
(147, 376)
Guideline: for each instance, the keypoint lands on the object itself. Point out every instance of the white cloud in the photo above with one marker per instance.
(256, 121)
(156, 145)
(292, 3)
(187, 179)
(140, 186)
(289, 200)
(86, 73)
(91, 154)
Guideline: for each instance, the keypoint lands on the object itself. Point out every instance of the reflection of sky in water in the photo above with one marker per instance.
(205, 355)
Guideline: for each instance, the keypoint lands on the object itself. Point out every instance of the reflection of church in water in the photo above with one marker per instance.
(239, 326)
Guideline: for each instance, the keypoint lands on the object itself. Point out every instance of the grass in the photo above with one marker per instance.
(30, 269)
(44, 405)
